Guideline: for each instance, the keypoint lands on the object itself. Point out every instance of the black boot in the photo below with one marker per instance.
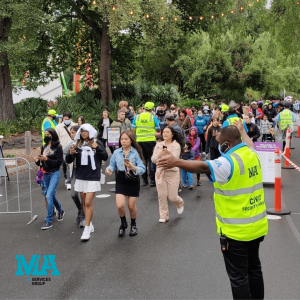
(133, 229)
(123, 226)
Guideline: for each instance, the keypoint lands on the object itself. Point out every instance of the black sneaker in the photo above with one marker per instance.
(152, 183)
(145, 182)
(121, 231)
(61, 215)
(46, 225)
(133, 230)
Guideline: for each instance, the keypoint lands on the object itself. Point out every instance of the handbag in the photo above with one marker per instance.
(40, 175)
(131, 176)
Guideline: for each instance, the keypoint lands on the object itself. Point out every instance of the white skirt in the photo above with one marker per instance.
(86, 186)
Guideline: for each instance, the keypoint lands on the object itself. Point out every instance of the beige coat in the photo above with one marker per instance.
(174, 148)
(63, 136)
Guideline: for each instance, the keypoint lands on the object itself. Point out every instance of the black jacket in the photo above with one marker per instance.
(55, 159)
(129, 115)
(86, 172)
(270, 113)
(211, 140)
(101, 128)
(253, 131)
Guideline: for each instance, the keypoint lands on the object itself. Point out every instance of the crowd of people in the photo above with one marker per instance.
(165, 146)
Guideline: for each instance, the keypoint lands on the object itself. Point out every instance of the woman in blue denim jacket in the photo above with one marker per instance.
(127, 160)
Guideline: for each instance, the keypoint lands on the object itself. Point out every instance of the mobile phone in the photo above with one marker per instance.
(164, 147)
(126, 159)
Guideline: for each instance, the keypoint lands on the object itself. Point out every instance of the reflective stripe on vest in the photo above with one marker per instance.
(242, 221)
(242, 191)
(286, 119)
(231, 120)
(239, 203)
(145, 127)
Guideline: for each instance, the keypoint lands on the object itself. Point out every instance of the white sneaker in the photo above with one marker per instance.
(180, 210)
(162, 221)
(69, 186)
(91, 228)
(86, 234)
(203, 153)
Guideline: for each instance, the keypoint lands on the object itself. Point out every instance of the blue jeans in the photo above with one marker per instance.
(51, 181)
(187, 178)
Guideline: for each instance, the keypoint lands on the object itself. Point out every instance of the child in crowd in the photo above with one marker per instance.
(265, 126)
(195, 141)
(188, 154)
(212, 144)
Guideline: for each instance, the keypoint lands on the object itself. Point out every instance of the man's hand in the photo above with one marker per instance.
(168, 161)
(239, 124)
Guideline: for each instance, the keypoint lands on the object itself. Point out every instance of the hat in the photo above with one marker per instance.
(52, 112)
(224, 108)
(169, 116)
(253, 102)
(232, 104)
(149, 105)
(87, 127)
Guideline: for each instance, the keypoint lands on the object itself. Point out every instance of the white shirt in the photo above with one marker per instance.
(106, 124)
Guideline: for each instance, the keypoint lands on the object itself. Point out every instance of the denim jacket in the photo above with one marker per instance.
(117, 161)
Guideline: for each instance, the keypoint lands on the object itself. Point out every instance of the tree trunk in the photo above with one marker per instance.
(105, 61)
(6, 101)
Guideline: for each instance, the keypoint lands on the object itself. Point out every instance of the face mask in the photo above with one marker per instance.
(67, 122)
(223, 148)
(160, 112)
(200, 115)
(193, 132)
(47, 139)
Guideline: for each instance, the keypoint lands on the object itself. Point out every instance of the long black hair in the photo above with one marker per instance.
(54, 139)
(176, 137)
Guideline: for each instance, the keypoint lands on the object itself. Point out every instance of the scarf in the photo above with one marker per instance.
(86, 150)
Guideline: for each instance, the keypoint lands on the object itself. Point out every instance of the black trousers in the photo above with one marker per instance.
(214, 153)
(244, 269)
(148, 148)
(203, 142)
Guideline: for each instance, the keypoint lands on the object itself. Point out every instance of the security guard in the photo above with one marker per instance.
(146, 126)
(240, 206)
(48, 122)
(285, 119)
(231, 115)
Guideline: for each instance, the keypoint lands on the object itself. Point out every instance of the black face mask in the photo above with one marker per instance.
(47, 139)
(161, 112)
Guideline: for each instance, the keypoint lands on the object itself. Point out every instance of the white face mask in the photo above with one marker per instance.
(67, 122)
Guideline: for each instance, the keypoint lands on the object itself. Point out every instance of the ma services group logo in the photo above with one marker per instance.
(48, 267)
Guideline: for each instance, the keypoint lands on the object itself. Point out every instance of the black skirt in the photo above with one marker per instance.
(127, 187)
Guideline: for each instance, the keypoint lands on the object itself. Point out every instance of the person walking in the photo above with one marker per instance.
(80, 219)
(170, 119)
(145, 126)
(265, 127)
(285, 120)
(211, 143)
(48, 122)
(241, 218)
(103, 124)
(253, 131)
(201, 122)
(183, 120)
(167, 181)
(195, 141)
(80, 120)
(121, 121)
(63, 132)
(88, 153)
(188, 154)
(127, 161)
(50, 159)
(128, 113)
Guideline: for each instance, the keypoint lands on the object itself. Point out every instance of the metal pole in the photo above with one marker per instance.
(6, 195)
(28, 142)
(30, 196)
(16, 161)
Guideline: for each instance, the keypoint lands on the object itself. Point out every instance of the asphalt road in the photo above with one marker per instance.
(180, 259)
